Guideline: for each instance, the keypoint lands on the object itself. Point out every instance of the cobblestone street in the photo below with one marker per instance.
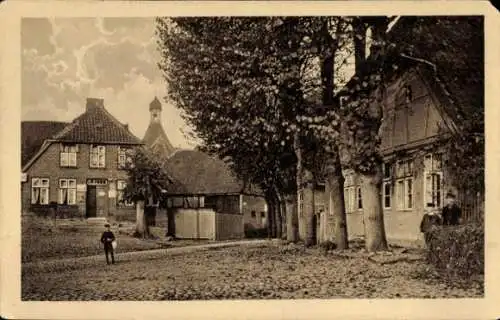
(259, 271)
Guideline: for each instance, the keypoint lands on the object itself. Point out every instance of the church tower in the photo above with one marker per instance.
(155, 110)
(155, 137)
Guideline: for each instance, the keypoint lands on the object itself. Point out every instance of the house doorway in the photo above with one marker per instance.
(91, 204)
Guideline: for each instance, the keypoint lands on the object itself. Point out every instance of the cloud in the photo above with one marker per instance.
(66, 60)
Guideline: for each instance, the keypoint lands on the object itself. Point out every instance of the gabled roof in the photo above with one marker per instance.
(95, 125)
(156, 138)
(450, 53)
(455, 45)
(34, 133)
(202, 174)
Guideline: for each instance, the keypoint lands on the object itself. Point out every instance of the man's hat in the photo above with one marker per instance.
(107, 225)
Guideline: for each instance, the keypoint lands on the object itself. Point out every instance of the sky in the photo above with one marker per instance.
(66, 60)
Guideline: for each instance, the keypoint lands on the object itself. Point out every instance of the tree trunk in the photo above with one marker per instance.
(283, 219)
(309, 219)
(277, 214)
(271, 218)
(292, 219)
(141, 227)
(373, 215)
(336, 204)
(334, 178)
(359, 38)
(170, 222)
(300, 188)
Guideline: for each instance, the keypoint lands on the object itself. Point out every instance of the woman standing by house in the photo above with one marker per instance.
(430, 222)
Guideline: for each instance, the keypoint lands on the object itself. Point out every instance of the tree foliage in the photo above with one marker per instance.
(249, 86)
(147, 179)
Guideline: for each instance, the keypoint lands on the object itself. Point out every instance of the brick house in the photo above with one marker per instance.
(214, 204)
(424, 102)
(78, 165)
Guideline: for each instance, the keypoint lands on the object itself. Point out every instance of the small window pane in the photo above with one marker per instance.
(72, 196)
(44, 196)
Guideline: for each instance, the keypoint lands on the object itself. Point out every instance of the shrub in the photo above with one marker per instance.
(457, 251)
(251, 232)
(327, 246)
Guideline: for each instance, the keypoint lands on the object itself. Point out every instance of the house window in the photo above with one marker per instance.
(67, 191)
(405, 193)
(433, 180)
(120, 194)
(433, 189)
(404, 169)
(404, 184)
(433, 163)
(123, 157)
(97, 156)
(67, 155)
(359, 199)
(387, 185)
(253, 214)
(387, 195)
(39, 191)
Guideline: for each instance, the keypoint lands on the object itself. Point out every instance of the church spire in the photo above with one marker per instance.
(155, 110)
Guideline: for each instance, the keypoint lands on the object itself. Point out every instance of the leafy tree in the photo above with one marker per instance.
(363, 115)
(245, 86)
(147, 181)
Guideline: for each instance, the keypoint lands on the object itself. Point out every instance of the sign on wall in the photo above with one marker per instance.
(81, 187)
(97, 182)
(112, 194)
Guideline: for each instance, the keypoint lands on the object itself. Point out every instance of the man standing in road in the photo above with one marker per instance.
(107, 239)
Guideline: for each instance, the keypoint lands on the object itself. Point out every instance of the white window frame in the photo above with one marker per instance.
(120, 201)
(433, 167)
(387, 176)
(349, 199)
(97, 156)
(68, 155)
(405, 199)
(43, 187)
(359, 199)
(68, 185)
(123, 157)
(386, 195)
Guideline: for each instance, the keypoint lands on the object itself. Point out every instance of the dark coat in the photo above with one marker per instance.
(451, 215)
(429, 221)
(107, 237)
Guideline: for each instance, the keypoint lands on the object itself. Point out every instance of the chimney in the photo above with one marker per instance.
(126, 126)
(94, 103)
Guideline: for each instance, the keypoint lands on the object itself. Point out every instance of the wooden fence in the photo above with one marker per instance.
(472, 206)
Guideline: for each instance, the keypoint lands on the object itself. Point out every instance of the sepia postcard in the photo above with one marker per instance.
(249, 160)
